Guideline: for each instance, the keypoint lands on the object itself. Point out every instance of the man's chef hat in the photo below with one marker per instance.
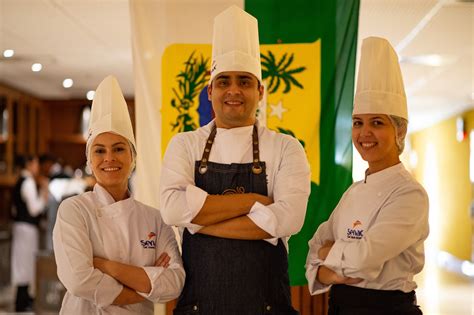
(379, 84)
(110, 114)
(235, 45)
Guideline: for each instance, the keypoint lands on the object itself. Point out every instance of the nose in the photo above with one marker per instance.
(365, 130)
(233, 88)
(109, 156)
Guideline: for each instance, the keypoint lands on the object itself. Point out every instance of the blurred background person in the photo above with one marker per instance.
(29, 201)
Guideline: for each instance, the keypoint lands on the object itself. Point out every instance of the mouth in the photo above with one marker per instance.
(367, 145)
(111, 169)
(233, 102)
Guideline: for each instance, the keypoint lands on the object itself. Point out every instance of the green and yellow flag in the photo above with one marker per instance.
(308, 61)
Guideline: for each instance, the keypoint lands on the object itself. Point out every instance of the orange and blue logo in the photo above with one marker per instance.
(150, 242)
(354, 233)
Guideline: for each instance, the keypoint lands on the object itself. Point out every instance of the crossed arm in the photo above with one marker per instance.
(326, 275)
(132, 277)
(232, 223)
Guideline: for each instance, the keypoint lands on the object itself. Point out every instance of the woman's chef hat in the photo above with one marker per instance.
(110, 114)
(379, 83)
(235, 45)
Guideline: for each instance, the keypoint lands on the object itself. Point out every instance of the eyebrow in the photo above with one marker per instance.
(103, 145)
(242, 76)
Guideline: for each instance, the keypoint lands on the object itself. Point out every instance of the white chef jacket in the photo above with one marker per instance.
(379, 227)
(287, 169)
(94, 225)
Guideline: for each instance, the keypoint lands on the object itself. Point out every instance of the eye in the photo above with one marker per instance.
(245, 82)
(378, 122)
(222, 82)
(99, 151)
(119, 149)
(356, 123)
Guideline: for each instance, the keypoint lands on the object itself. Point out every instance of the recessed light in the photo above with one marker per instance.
(8, 53)
(36, 67)
(90, 95)
(67, 83)
(432, 60)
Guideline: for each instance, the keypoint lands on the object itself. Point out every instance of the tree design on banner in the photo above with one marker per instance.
(191, 80)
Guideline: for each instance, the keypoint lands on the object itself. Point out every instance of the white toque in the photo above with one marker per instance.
(235, 44)
(380, 87)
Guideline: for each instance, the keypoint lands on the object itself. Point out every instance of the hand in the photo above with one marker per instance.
(163, 260)
(323, 252)
(264, 200)
(99, 263)
(328, 276)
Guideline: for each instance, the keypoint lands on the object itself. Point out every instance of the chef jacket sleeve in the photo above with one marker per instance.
(180, 199)
(323, 234)
(401, 222)
(33, 200)
(292, 185)
(74, 258)
(166, 283)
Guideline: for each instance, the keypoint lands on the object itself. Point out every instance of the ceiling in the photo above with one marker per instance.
(88, 39)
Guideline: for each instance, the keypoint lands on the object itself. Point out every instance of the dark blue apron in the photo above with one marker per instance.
(227, 276)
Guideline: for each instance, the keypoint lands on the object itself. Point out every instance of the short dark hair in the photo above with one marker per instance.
(22, 160)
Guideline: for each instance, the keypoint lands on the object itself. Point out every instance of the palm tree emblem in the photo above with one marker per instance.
(277, 72)
(191, 80)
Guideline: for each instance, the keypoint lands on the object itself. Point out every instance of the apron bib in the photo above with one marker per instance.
(227, 276)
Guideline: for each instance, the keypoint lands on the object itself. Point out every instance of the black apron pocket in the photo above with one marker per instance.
(192, 308)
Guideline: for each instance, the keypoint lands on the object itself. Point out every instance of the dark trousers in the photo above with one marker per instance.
(23, 301)
(350, 300)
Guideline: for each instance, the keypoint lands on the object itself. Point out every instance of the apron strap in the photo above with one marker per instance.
(256, 168)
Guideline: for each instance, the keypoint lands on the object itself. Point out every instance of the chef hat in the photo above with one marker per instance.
(235, 45)
(110, 114)
(379, 84)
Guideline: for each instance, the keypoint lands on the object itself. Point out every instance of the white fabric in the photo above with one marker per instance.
(34, 202)
(92, 224)
(379, 228)
(380, 87)
(288, 177)
(25, 240)
(109, 113)
(235, 44)
(155, 25)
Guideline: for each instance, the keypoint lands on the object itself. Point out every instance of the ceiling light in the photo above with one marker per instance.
(67, 83)
(90, 95)
(8, 53)
(428, 60)
(36, 67)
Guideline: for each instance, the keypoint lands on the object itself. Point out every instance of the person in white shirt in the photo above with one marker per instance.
(28, 205)
(114, 254)
(372, 245)
(236, 189)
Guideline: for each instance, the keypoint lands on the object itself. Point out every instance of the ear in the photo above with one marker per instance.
(261, 89)
(209, 91)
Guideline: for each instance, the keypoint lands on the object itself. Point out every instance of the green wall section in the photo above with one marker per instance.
(336, 24)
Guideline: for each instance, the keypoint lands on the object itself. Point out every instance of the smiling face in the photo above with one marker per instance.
(235, 96)
(111, 161)
(373, 136)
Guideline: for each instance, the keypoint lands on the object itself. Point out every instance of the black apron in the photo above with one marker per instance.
(228, 276)
(350, 300)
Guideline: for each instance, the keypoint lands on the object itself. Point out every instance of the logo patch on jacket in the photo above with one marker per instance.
(149, 242)
(354, 233)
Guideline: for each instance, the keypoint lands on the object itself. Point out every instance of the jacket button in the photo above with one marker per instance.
(195, 308)
(269, 307)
